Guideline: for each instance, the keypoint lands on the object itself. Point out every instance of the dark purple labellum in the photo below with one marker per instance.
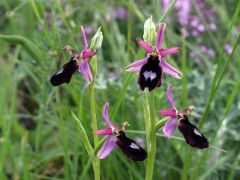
(64, 75)
(150, 75)
(192, 134)
(130, 148)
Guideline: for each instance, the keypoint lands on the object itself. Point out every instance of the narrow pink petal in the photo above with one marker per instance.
(147, 47)
(86, 71)
(107, 131)
(168, 112)
(136, 65)
(168, 69)
(87, 54)
(160, 35)
(169, 97)
(169, 127)
(105, 116)
(108, 146)
(168, 51)
(84, 39)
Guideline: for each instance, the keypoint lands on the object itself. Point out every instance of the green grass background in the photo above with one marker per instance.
(30, 53)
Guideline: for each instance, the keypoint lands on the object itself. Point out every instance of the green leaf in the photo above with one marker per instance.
(84, 136)
(28, 45)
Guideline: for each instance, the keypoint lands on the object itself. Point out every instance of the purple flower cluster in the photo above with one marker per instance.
(208, 53)
(188, 19)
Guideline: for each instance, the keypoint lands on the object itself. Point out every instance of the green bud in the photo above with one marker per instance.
(97, 39)
(149, 34)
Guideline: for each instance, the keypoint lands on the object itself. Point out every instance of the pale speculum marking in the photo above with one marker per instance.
(197, 132)
(60, 71)
(134, 146)
(149, 74)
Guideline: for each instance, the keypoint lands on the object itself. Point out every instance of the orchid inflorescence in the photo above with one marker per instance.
(150, 71)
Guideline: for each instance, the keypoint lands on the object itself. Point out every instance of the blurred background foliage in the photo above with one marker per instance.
(38, 136)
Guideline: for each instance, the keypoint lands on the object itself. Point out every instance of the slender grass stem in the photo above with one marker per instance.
(184, 70)
(96, 162)
(151, 134)
(169, 10)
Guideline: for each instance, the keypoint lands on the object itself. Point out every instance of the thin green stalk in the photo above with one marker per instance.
(65, 145)
(93, 112)
(96, 162)
(186, 164)
(187, 158)
(25, 158)
(169, 10)
(184, 70)
(151, 134)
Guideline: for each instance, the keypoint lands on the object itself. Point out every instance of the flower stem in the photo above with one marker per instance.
(151, 134)
(96, 162)
(93, 111)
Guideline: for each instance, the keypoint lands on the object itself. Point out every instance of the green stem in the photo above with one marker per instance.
(96, 162)
(151, 134)
(96, 169)
(184, 68)
(169, 10)
(93, 111)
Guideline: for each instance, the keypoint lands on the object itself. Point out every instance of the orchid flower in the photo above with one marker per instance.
(179, 119)
(116, 137)
(151, 67)
(78, 61)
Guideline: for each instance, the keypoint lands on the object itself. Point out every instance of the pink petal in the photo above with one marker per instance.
(168, 69)
(147, 47)
(108, 146)
(160, 35)
(168, 112)
(86, 71)
(169, 127)
(87, 54)
(169, 97)
(105, 116)
(107, 131)
(136, 65)
(84, 39)
(168, 51)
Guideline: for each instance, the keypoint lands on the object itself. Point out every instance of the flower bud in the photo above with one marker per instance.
(149, 34)
(97, 39)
